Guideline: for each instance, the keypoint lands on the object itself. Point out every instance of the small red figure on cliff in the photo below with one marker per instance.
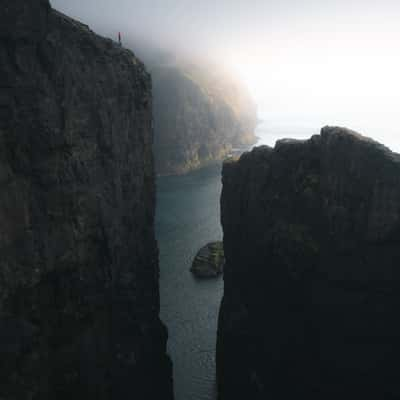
(119, 39)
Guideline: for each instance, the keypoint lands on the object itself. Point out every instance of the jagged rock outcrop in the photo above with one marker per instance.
(312, 278)
(79, 302)
(199, 117)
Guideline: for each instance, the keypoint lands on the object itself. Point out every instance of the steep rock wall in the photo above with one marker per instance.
(312, 278)
(199, 117)
(79, 302)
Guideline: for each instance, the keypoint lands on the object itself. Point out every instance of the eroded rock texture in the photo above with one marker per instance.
(79, 303)
(312, 277)
(209, 261)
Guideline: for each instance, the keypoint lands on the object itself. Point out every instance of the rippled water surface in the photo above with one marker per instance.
(188, 218)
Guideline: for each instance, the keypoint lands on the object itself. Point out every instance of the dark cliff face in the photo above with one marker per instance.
(79, 303)
(312, 278)
(199, 117)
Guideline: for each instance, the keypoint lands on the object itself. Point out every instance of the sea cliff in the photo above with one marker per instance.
(311, 298)
(79, 300)
(200, 116)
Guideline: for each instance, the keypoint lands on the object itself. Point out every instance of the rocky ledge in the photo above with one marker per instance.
(312, 277)
(209, 261)
(79, 301)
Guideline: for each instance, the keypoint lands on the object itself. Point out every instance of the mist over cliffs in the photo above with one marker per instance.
(79, 299)
(201, 111)
(311, 230)
(311, 298)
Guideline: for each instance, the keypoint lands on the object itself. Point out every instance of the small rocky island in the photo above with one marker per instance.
(209, 261)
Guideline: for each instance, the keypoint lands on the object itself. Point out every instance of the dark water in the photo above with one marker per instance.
(188, 218)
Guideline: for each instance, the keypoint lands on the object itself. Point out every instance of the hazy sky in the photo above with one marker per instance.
(333, 60)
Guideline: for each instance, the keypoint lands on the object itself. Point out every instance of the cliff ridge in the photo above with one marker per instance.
(311, 240)
(79, 301)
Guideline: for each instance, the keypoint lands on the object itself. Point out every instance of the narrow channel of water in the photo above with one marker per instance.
(187, 218)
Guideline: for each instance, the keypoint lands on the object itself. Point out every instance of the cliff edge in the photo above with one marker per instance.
(312, 284)
(79, 302)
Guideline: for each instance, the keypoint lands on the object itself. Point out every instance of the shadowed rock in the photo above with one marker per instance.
(209, 261)
(79, 302)
(312, 278)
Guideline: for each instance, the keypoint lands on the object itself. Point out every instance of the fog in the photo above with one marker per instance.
(319, 61)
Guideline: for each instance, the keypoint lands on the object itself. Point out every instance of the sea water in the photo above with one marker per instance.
(187, 218)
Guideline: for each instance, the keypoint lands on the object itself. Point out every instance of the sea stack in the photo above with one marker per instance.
(79, 300)
(312, 277)
(209, 261)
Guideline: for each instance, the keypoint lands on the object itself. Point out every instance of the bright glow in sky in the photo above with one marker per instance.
(346, 83)
(328, 61)
(339, 72)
